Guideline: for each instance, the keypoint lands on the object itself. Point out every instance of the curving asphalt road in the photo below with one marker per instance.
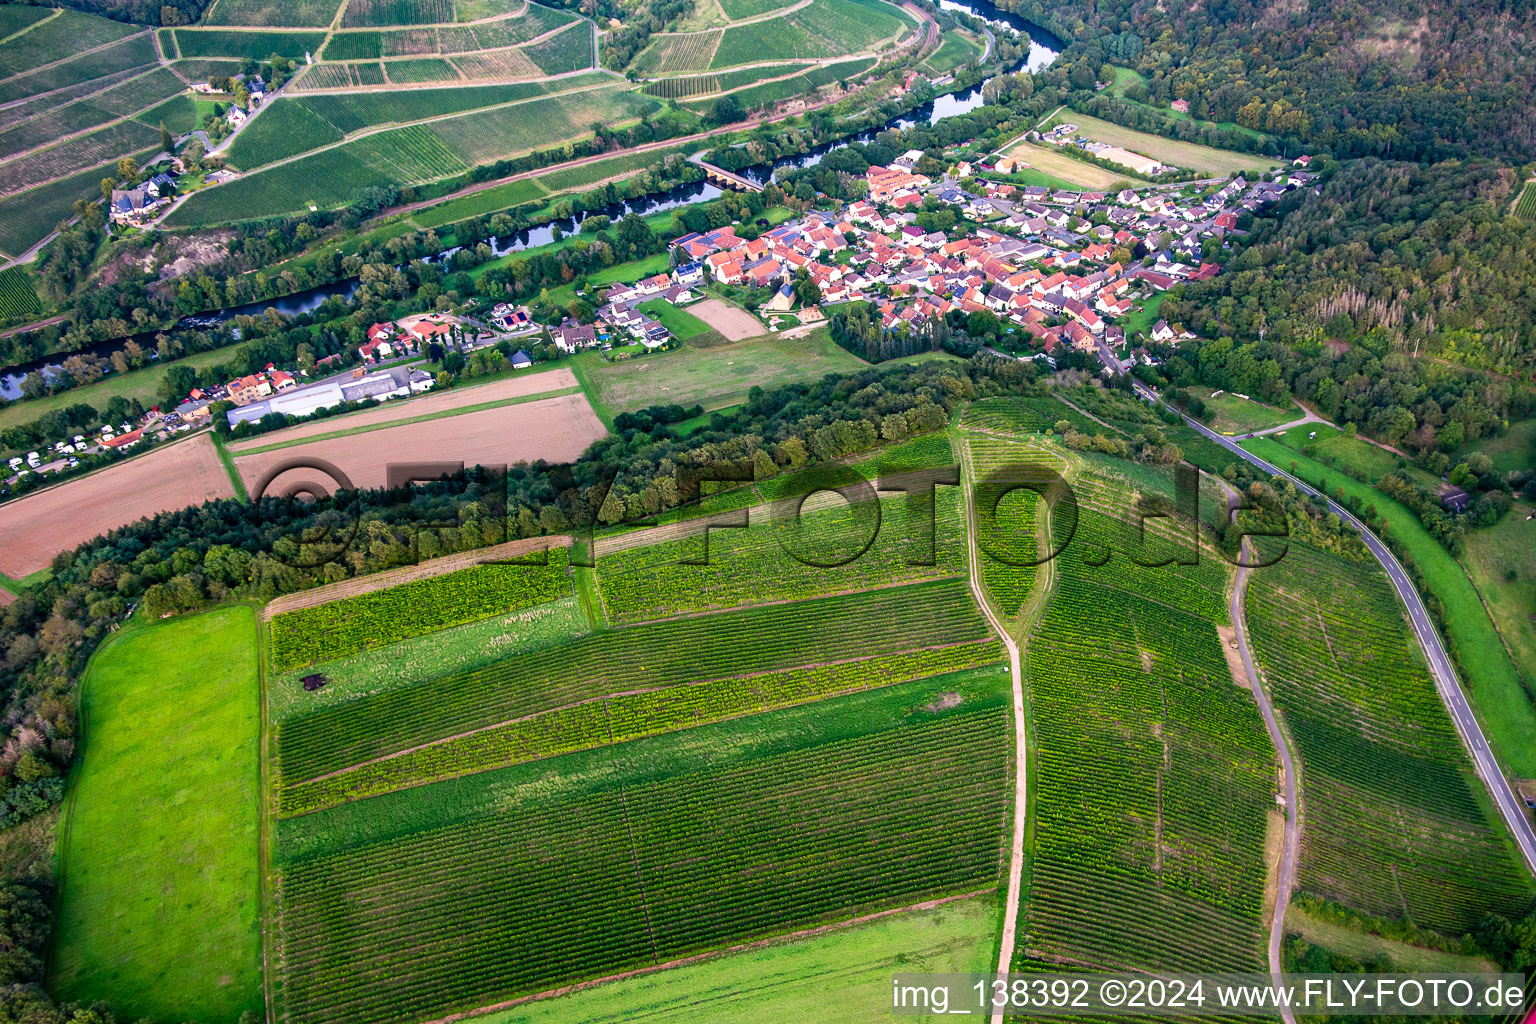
(1446, 680)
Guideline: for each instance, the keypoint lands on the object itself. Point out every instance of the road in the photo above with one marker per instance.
(1020, 751)
(1446, 680)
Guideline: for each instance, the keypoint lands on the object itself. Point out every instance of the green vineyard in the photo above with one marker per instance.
(1525, 205)
(1396, 823)
(642, 870)
(683, 88)
(651, 657)
(355, 624)
(1153, 775)
(16, 295)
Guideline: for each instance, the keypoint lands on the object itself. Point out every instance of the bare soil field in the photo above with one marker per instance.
(406, 573)
(735, 324)
(555, 429)
(40, 525)
(427, 405)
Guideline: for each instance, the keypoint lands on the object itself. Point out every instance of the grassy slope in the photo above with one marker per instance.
(1240, 415)
(1357, 456)
(790, 981)
(1492, 554)
(158, 907)
(1501, 702)
(1362, 946)
(1510, 453)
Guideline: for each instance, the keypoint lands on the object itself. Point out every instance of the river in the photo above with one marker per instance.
(1043, 49)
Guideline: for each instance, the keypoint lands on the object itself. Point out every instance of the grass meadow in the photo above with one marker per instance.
(714, 377)
(158, 902)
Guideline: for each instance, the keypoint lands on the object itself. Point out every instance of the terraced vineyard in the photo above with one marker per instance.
(1397, 825)
(412, 154)
(1153, 774)
(659, 671)
(648, 860)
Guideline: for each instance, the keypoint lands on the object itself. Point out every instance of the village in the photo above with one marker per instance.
(1060, 271)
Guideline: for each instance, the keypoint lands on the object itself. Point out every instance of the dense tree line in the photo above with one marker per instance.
(143, 12)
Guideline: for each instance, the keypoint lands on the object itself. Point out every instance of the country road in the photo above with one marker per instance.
(1446, 680)
(1286, 876)
(1021, 747)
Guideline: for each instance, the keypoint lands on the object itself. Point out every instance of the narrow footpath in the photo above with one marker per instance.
(1286, 876)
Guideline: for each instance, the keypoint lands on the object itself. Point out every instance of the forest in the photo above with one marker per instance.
(1401, 299)
(1406, 80)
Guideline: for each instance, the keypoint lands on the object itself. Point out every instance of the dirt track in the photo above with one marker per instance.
(407, 573)
(555, 429)
(38, 526)
(441, 401)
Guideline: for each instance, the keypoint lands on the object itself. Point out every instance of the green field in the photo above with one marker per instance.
(283, 130)
(714, 377)
(1501, 562)
(954, 51)
(1356, 456)
(411, 154)
(789, 981)
(1205, 160)
(1501, 702)
(86, 70)
(1511, 452)
(158, 908)
(752, 565)
(1024, 415)
(58, 38)
(646, 667)
(569, 50)
(274, 13)
(1009, 527)
(141, 384)
(665, 847)
(1397, 823)
(486, 201)
(238, 45)
(463, 648)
